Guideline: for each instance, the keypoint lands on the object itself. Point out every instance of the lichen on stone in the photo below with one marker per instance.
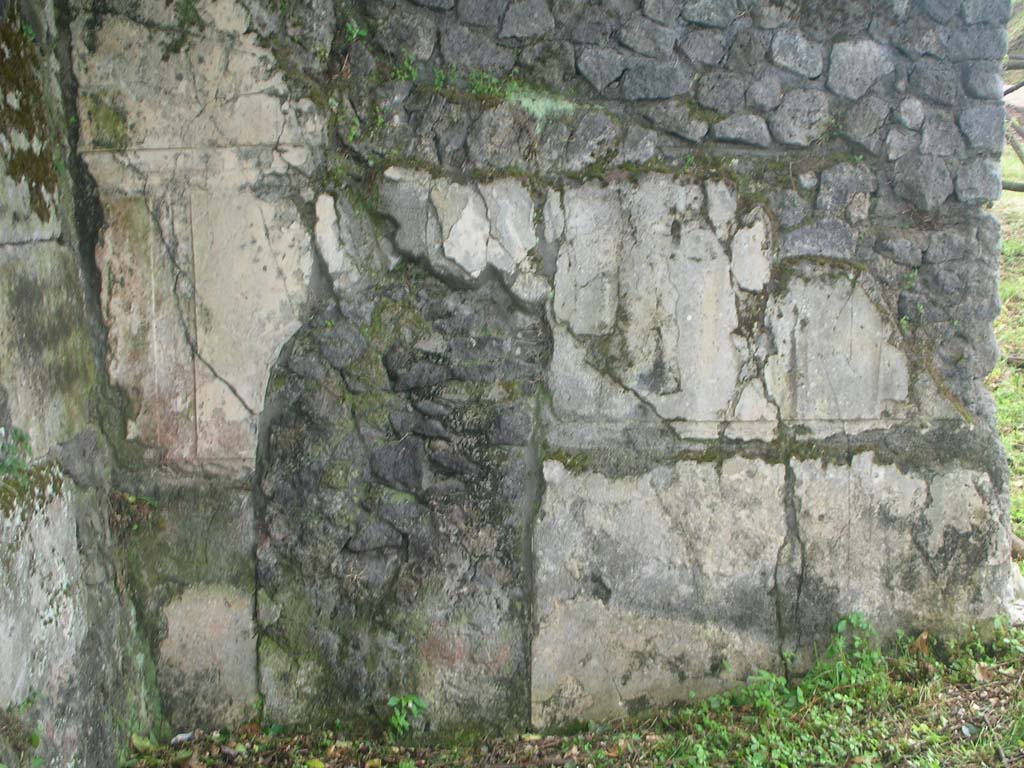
(27, 143)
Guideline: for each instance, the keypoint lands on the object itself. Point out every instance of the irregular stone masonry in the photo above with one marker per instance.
(578, 355)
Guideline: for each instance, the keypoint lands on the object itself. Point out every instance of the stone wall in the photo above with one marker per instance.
(73, 675)
(548, 359)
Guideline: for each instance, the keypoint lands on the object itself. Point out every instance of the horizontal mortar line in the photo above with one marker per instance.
(216, 148)
(34, 241)
(684, 422)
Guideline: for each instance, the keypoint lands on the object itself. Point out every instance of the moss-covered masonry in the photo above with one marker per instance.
(494, 324)
(73, 671)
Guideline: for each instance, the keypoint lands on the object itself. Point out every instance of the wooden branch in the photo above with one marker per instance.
(1014, 125)
(1013, 186)
(1015, 145)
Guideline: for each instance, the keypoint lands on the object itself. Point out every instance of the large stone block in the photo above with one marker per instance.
(208, 659)
(42, 600)
(198, 296)
(136, 91)
(149, 315)
(648, 588)
(253, 261)
(203, 279)
(29, 204)
(652, 274)
(835, 359)
(907, 549)
(45, 352)
(191, 572)
(70, 665)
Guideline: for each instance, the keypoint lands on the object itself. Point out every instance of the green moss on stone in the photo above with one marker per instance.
(574, 462)
(539, 105)
(109, 122)
(23, 117)
(36, 488)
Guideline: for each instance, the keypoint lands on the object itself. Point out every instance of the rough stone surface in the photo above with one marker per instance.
(923, 180)
(600, 67)
(911, 113)
(941, 137)
(855, 66)
(658, 341)
(208, 658)
(660, 80)
(647, 38)
(978, 181)
(743, 129)
(711, 13)
(936, 80)
(72, 668)
(983, 80)
(863, 123)
(792, 51)
(415, 456)
(983, 127)
(842, 184)
(765, 94)
(721, 92)
(828, 237)
(801, 118)
(527, 18)
(842, 366)
(643, 634)
(981, 11)
(706, 46)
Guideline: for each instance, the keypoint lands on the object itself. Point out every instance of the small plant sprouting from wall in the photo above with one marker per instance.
(15, 454)
(405, 70)
(187, 20)
(404, 709)
(353, 31)
(19, 736)
(129, 512)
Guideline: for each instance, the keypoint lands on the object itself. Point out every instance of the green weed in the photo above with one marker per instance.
(954, 703)
(405, 70)
(15, 453)
(353, 31)
(440, 79)
(485, 86)
(404, 709)
(187, 15)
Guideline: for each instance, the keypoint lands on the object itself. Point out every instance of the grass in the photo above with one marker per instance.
(1007, 380)
(920, 704)
(1016, 28)
(1013, 170)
